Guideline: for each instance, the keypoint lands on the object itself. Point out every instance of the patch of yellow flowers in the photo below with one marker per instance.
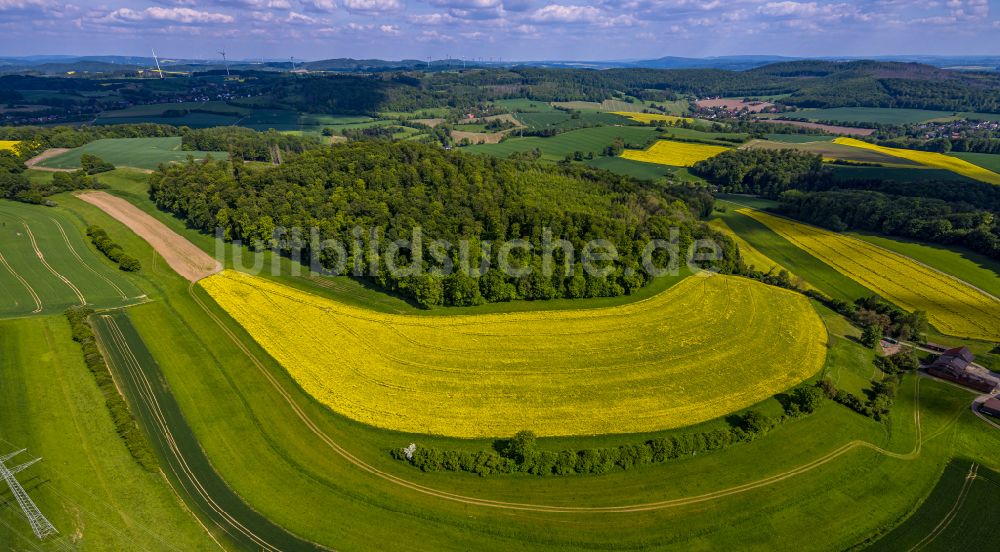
(704, 348)
(930, 159)
(652, 117)
(753, 257)
(952, 306)
(8, 145)
(677, 154)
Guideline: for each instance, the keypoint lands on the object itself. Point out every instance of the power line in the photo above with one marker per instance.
(39, 523)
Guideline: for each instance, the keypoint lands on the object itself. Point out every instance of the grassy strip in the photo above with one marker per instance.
(125, 424)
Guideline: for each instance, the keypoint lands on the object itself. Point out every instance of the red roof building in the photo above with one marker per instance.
(955, 360)
(991, 407)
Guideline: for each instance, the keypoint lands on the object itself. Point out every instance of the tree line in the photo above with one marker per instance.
(925, 219)
(125, 424)
(521, 454)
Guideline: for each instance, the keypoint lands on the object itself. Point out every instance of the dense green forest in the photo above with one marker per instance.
(396, 187)
(762, 172)
(931, 220)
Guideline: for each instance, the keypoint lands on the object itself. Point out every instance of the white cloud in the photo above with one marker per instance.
(321, 5)
(789, 8)
(432, 19)
(558, 13)
(434, 36)
(296, 17)
(467, 4)
(372, 6)
(177, 15)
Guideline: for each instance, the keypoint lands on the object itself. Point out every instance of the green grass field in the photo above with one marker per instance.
(524, 105)
(841, 172)
(869, 115)
(989, 161)
(799, 138)
(48, 264)
(141, 153)
(564, 121)
(959, 514)
(193, 120)
(87, 483)
(188, 470)
(635, 169)
(704, 135)
(555, 148)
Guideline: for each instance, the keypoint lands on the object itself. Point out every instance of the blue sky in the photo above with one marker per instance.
(511, 29)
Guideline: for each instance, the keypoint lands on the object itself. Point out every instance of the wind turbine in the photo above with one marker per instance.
(224, 62)
(157, 60)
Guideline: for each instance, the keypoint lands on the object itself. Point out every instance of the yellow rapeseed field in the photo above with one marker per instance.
(952, 306)
(753, 257)
(930, 159)
(653, 117)
(704, 348)
(677, 154)
(8, 144)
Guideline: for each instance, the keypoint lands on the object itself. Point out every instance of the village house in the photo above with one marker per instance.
(953, 365)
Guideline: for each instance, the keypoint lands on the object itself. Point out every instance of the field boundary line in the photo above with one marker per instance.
(41, 258)
(660, 505)
(82, 262)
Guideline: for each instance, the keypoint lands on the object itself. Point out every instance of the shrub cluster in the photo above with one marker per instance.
(92, 164)
(112, 250)
(521, 455)
(878, 400)
(125, 424)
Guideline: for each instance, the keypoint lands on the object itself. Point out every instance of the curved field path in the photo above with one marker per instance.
(47, 154)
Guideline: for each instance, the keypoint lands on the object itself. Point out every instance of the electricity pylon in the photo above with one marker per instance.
(39, 524)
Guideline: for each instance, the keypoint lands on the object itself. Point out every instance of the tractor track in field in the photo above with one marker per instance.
(79, 259)
(27, 286)
(945, 522)
(41, 258)
(192, 472)
(643, 507)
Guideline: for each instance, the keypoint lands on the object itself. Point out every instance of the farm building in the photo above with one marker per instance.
(955, 360)
(991, 407)
(954, 365)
